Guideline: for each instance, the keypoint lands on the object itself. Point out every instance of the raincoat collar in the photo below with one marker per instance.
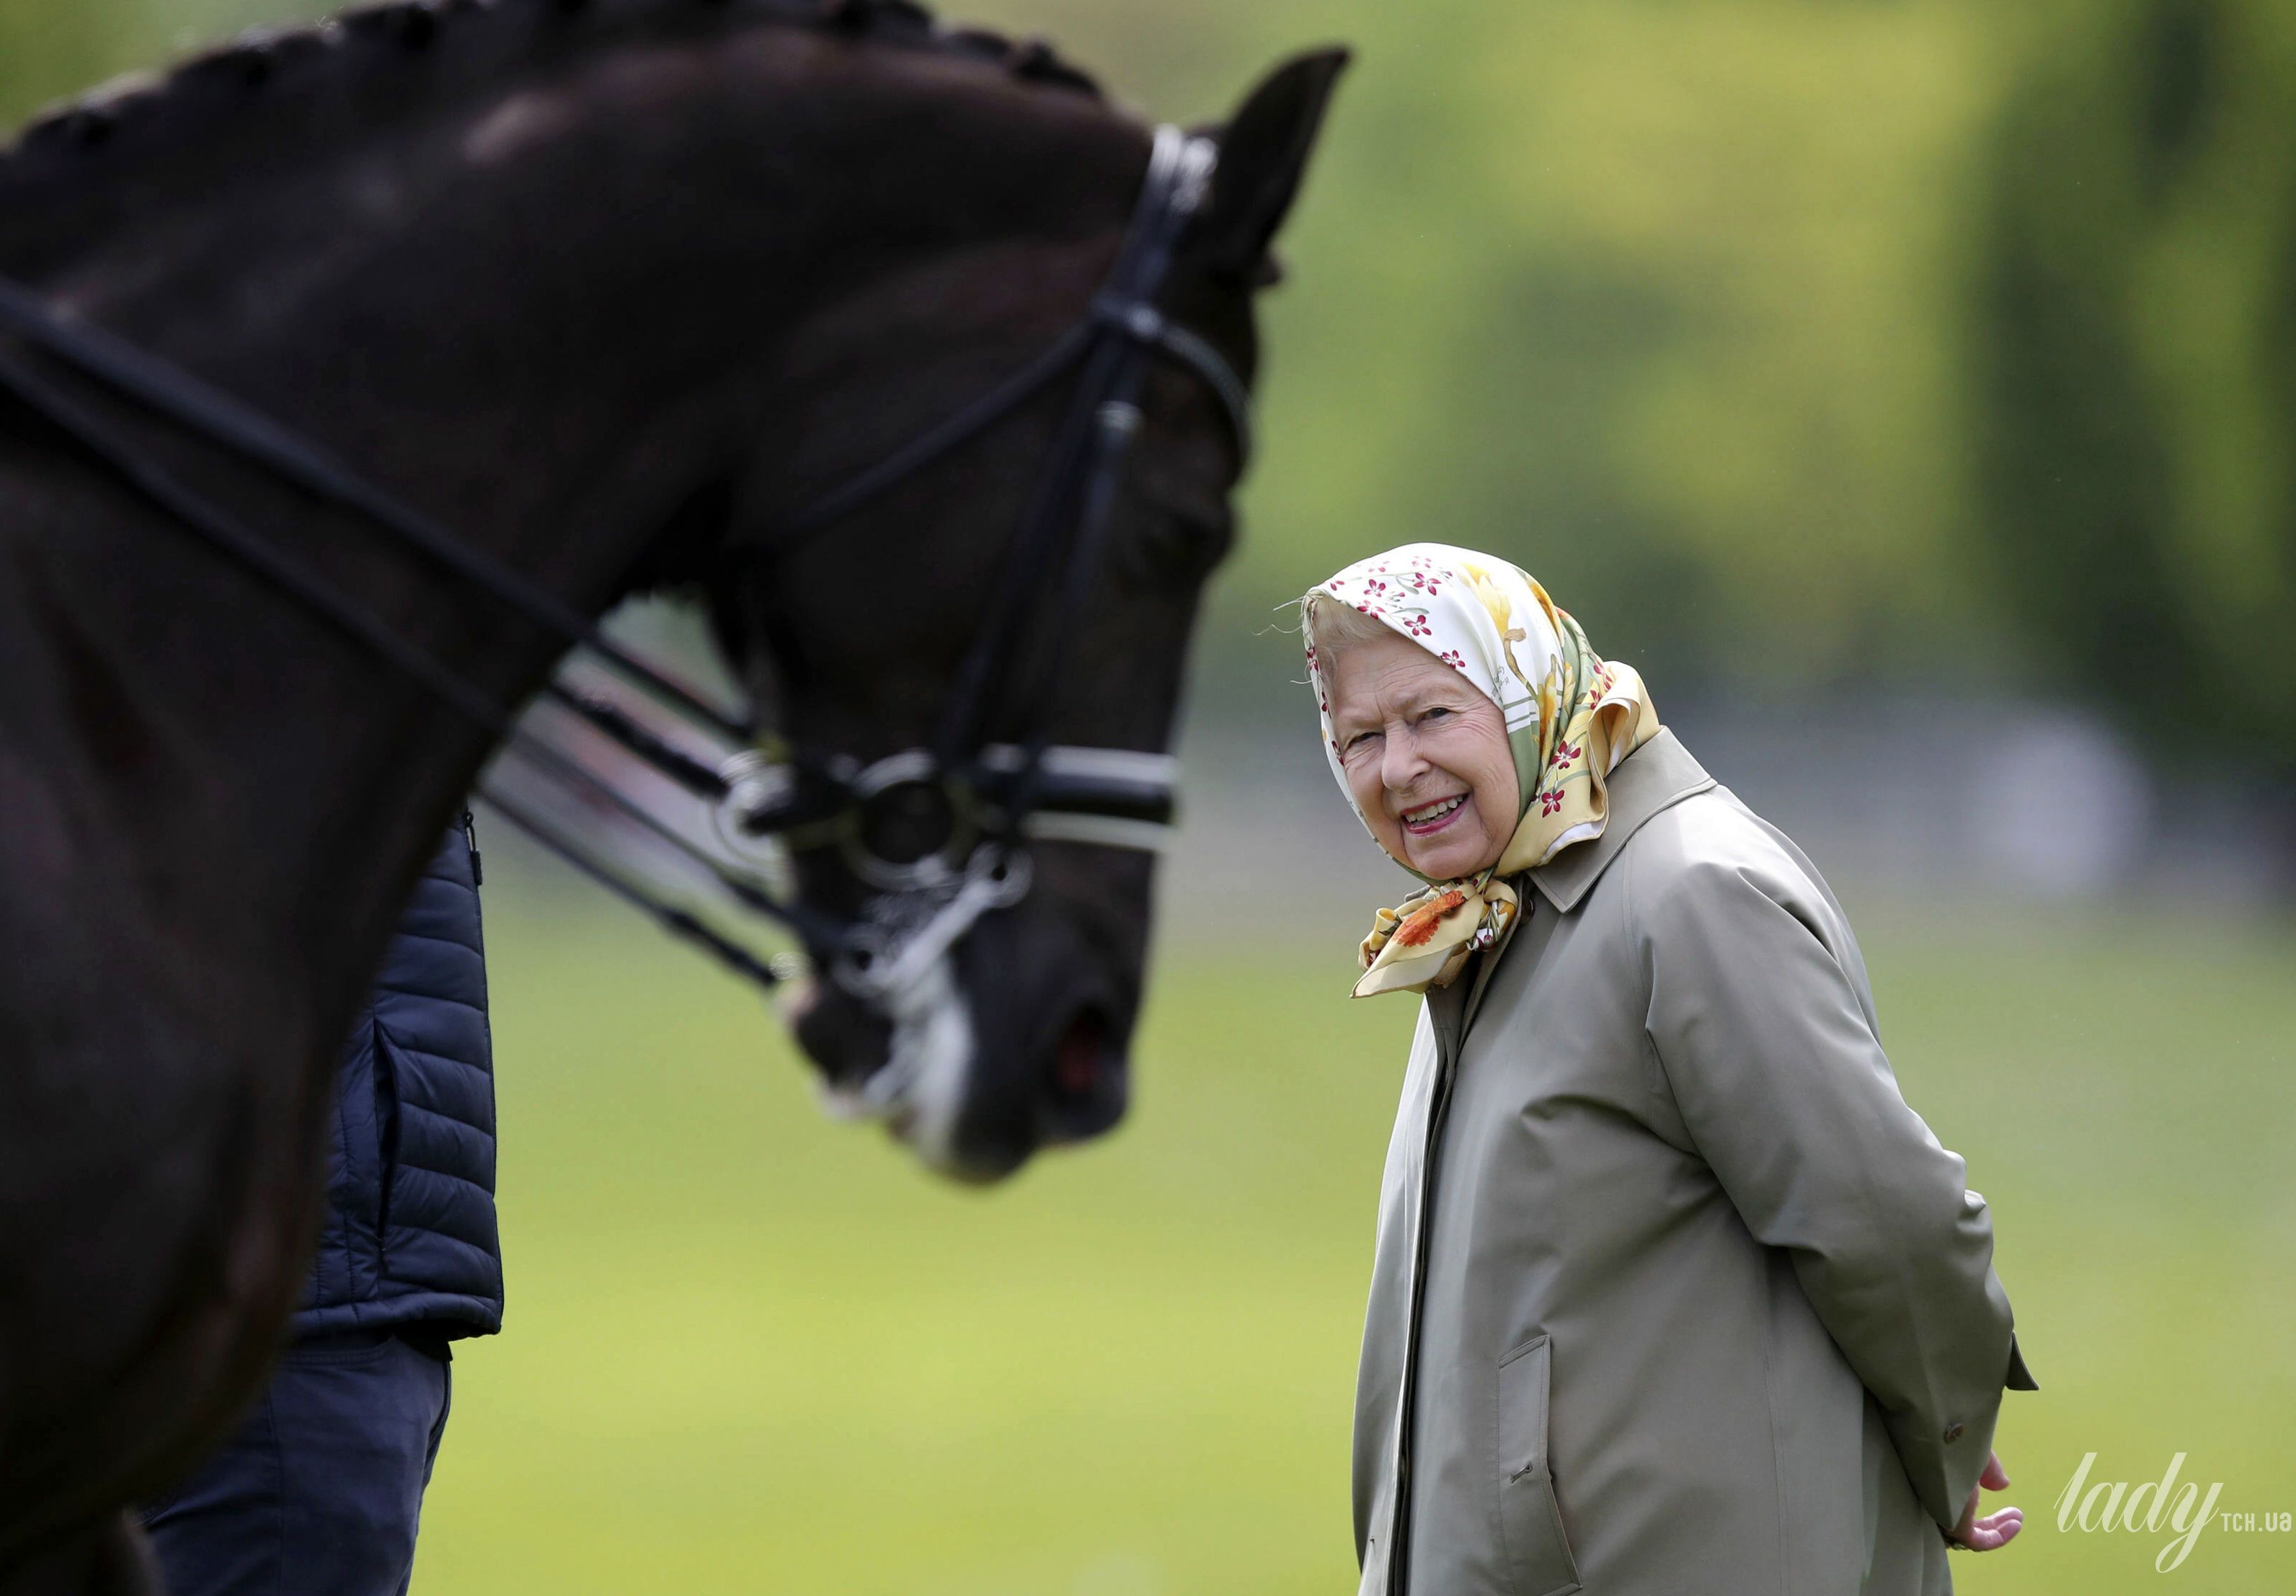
(1653, 778)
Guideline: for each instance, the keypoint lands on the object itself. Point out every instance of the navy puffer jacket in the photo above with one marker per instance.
(410, 1237)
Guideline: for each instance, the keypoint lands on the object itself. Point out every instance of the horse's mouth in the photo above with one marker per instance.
(968, 1118)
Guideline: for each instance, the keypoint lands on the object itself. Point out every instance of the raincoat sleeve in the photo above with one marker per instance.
(1764, 1031)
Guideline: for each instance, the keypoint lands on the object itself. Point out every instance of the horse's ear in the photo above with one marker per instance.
(1263, 153)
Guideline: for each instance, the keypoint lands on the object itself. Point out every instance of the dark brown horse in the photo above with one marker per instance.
(610, 287)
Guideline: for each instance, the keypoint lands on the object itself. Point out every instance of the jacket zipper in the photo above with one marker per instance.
(470, 836)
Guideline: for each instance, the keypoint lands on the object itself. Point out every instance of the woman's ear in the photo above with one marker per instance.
(1263, 153)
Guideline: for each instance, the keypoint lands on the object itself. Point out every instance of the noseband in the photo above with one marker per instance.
(936, 832)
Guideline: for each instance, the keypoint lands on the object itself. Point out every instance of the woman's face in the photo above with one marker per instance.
(1425, 755)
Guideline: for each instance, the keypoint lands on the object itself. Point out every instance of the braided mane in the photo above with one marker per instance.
(184, 102)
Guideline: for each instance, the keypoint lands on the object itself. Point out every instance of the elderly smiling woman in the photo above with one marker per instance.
(1673, 1292)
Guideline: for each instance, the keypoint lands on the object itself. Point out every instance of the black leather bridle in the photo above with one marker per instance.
(972, 803)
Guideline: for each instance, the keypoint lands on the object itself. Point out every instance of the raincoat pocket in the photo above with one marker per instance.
(1529, 1519)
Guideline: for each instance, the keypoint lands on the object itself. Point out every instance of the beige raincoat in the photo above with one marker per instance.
(1674, 1295)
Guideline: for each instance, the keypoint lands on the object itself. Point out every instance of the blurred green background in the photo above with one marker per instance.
(1826, 357)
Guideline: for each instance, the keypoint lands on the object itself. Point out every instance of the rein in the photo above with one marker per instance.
(976, 802)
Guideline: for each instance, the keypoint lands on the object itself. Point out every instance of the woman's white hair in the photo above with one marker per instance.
(1331, 624)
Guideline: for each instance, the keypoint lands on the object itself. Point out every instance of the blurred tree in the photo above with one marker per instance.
(1711, 342)
(2136, 367)
(1661, 297)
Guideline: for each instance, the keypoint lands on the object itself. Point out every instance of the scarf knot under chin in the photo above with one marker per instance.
(1570, 717)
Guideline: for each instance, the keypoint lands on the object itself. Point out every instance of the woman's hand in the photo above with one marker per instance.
(1997, 1528)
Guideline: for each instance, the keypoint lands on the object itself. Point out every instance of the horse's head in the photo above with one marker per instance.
(862, 637)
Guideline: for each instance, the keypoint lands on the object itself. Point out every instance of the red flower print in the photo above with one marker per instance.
(1417, 625)
(1549, 802)
(1564, 754)
(1453, 659)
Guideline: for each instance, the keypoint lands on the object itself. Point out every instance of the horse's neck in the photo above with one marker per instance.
(511, 348)
(511, 310)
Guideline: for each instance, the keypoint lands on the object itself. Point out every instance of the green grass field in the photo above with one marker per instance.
(751, 1350)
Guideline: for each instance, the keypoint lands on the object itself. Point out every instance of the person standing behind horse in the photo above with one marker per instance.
(1673, 1292)
(321, 1490)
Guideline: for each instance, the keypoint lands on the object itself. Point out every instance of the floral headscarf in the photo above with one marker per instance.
(1570, 717)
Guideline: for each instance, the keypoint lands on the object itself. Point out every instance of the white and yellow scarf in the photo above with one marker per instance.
(1570, 717)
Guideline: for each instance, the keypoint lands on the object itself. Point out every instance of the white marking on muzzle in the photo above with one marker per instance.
(933, 1048)
(911, 980)
(922, 1087)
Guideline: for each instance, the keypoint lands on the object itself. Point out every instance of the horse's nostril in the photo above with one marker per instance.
(1083, 1089)
(1079, 1060)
